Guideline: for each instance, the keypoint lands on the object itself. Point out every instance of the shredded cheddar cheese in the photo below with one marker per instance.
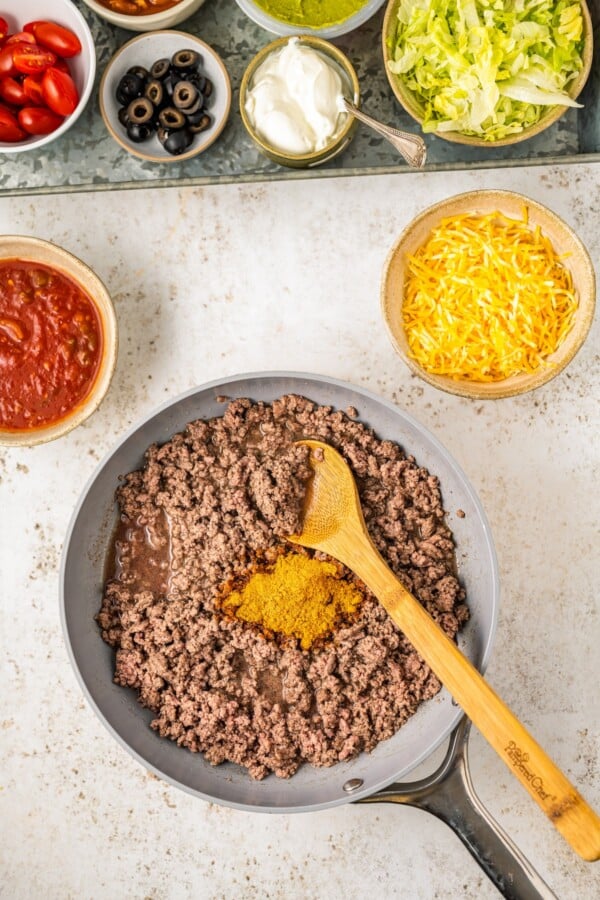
(486, 297)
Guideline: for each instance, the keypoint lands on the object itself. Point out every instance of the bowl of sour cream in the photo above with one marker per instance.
(291, 101)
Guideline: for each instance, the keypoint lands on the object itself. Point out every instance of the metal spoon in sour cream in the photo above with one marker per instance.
(297, 105)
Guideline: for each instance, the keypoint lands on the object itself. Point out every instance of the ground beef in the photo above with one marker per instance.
(204, 507)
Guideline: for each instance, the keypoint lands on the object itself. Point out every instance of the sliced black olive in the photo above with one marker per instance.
(204, 123)
(178, 141)
(140, 71)
(171, 118)
(140, 111)
(154, 92)
(138, 133)
(123, 116)
(162, 134)
(129, 87)
(168, 83)
(196, 79)
(208, 88)
(194, 118)
(185, 95)
(196, 107)
(185, 60)
(160, 68)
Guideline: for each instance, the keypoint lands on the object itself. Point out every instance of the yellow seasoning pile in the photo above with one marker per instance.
(486, 297)
(299, 596)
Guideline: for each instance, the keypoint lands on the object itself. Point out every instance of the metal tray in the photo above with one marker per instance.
(87, 158)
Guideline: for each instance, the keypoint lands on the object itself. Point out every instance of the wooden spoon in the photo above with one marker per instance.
(333, 522)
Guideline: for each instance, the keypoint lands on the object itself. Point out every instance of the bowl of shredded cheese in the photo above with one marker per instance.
(488, 294)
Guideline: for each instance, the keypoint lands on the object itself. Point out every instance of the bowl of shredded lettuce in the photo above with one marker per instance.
(483, 72)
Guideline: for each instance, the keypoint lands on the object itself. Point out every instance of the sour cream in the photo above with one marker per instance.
(294, 100)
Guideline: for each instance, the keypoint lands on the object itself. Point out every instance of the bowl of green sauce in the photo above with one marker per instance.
(322, 18)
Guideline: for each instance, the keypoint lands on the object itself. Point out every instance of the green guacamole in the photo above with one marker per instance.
(311, 13)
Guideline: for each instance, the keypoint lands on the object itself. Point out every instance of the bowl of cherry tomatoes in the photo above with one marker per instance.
(47, 70)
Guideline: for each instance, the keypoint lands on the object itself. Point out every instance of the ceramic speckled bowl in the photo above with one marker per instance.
(143, 50)
(410, 102)
(351, 89)
(565, 243)
(47, 253)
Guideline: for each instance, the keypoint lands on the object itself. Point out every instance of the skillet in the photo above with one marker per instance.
(368, 776)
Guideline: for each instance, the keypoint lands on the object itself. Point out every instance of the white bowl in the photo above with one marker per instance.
(83, 66)
(276, 26)
(153, 21)
(143, 50)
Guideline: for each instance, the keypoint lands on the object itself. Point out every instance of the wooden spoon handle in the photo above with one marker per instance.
(549, 787)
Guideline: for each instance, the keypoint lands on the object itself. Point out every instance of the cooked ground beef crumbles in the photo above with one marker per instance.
(204, 507)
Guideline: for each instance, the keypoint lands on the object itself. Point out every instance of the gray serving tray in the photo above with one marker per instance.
(87, 158)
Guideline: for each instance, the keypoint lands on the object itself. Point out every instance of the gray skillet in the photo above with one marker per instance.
(82, 575)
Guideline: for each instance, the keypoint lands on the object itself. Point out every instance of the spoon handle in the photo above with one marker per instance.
(547, 785)
(411, 146)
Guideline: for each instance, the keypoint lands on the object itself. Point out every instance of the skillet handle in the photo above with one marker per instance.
(449, 794)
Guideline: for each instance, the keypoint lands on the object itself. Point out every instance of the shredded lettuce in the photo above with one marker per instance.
(488, 68)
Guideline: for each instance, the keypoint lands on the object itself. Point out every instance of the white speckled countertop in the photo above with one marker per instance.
(214, 281)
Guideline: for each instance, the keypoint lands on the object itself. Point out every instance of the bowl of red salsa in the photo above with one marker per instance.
(58, 341)
(144, 15)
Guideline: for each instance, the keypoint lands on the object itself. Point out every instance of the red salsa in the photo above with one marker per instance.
(138, 7)
(50, 345)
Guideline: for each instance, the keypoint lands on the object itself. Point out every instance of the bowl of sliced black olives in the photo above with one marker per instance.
(165, 96)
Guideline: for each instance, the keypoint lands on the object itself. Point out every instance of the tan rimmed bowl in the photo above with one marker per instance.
(565, 243)
(410, 102)
(351, 90)
(144, 50)
(39, 251)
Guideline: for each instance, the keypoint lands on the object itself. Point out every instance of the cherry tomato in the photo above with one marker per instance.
(30, 25)
(21, 37)
(59, 91)
(11, 91)
(10, 130)
(32, 88)
(62, 65)
(3, 28)
(55, 37)
(29, 58)
(37, 120)
(7, 63)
